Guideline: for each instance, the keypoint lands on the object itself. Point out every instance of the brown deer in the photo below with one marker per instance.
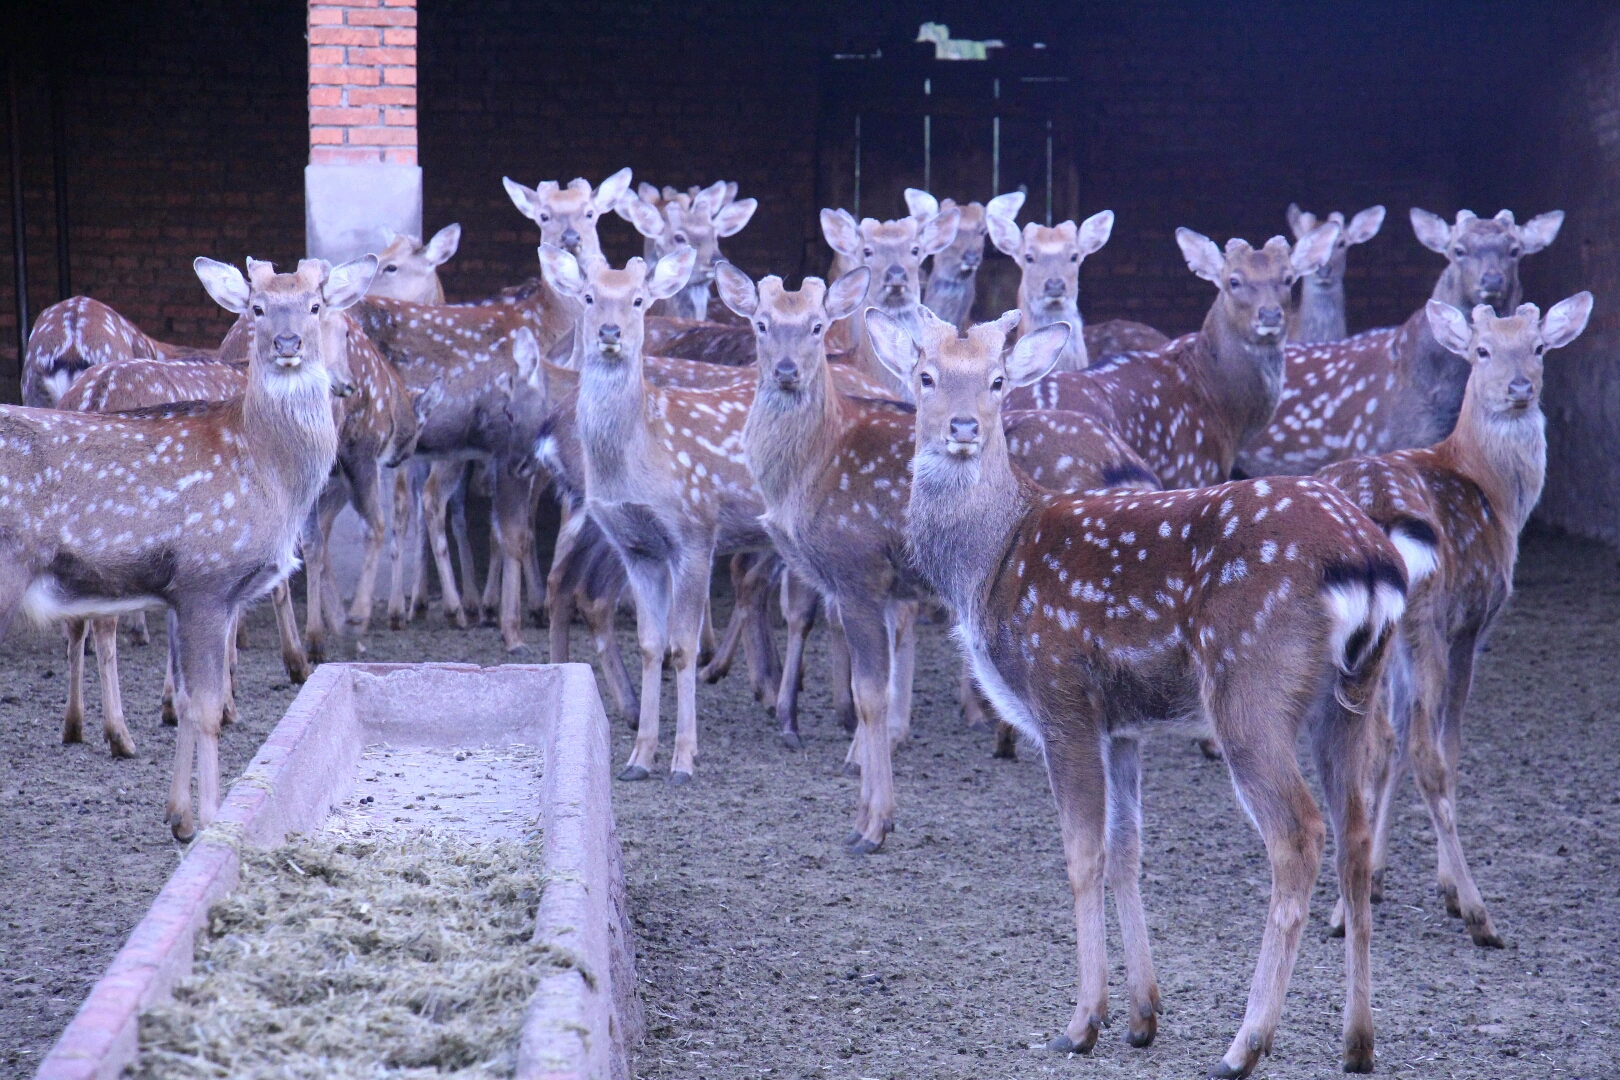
(1454, 510)
(893, 251)
(408, 269)
(199, 510)
(1263, 607)
(953, 277)
(1396, 387)
(699, 221)
(1187, 408)
(1319, 315)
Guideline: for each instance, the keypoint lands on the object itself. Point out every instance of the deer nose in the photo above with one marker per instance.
(786, 371)
(1520, 391)
(608, 333)
(1270, 316)
(964, 428)
(1492, 281)
(1055, 287)
(894, 275)
(570, 239)
(971, 261)
(287, 344)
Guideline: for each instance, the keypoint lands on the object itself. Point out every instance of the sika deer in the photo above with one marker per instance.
(893, 251)
(664, 480)
(697, 220)
(1397, 387)
(409, 269)
(200, 510)
(953, 276)
(1455, 511)
(1319, 316)
(1049, 279)
(1187, 408)
(1264, 607)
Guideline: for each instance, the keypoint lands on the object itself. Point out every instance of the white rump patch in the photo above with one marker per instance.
(1354, 607)
(1419, 556)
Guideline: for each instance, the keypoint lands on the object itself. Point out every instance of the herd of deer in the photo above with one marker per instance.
(1065, 490)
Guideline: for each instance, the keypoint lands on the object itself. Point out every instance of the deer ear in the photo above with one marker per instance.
(648, 193)
(1203, 257)
(1315, 248)
(842, 234)
(425, 402)
(1566, 320)
(1296, 220)
(1004, 231)
(733, 216)
(640, 213)
(523, 198)
(1037, 353)
(525, 353)
(1448, 326)
(893, 344)
(847, 293)
(1431, 230)
(443, 245)
(736, 289)
(347, 284)
(669, 276)
(920, 204)
(224, 283)
(1095, 231)
(561, 270)
(1006, 205)
(940, 231)
(1364, 226)
(608, 194)
(1540, 231)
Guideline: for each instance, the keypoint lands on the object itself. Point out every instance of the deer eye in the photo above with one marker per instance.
(816, 329)
(1074, 256)
(1029, 259)
(1484, 353)
(314, 309)
(1288, 280)
(1540, 349)
(996, 385)
(589, 214)
(390, 268)
(1515, 251)
(927, 380)
(1234, 283)
(589, 299)
(761, 327)
(1459, 251)
(867, 253)
(545, 217)
(680, 238)
(638, 301)
(916, 251)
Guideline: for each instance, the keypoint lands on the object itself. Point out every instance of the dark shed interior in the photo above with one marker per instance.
(165, 130)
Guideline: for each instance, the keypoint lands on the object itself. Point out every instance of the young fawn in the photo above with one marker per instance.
(1263, 607)
(1396, 387)
(1319, 315)
(953, 277)
(199, 509)
(1455, 510)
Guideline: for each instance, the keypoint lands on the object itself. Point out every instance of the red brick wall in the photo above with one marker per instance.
(362, 82)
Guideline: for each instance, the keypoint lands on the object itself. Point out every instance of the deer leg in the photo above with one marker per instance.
(838, 660)
(974, 712)
(1124, 869)
(433, 507)
(227, 710)
(533, 580)
(868, 635)
(650, 584)
(902, 622)
(112, 699)
(759, 647)
(292, 650)
(559, 587)
(686, 619)
(73, 718)
(512, 520)
(1078, 775)
(203, 636)
(720, 657)
(799, 603)
(138, 633)
(365, 487)
(171, 676)
(398, 548)
(599, 612)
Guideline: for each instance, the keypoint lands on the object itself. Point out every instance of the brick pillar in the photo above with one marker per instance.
(363, 175)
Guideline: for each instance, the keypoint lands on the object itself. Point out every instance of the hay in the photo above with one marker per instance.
(401, 956)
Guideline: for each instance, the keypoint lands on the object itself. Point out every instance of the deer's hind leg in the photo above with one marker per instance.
(867, 631)
(203, 634)
(73, 716)
(112, 698)
(1124, 865)
(799, 604)
(1079, 777)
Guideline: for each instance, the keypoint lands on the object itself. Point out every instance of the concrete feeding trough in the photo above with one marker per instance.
(582, 1020)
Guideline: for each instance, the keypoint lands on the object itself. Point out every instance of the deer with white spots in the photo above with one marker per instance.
(1455, 510)
(699, 220)
(1396, 387)
(1264, 608)
(1319, 315)
(1188, 407)
(953, 276)
(199, 510)
(893, 251)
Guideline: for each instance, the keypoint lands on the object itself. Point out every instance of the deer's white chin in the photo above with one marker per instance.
(963, 449)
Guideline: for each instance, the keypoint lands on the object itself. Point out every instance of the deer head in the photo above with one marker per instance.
(568, 216)
(1363, 227)
(409, 270)
(962, 257)
(698, 221)
(790, 326)
(1483, 254)
(612, 322)
(1049, 260)
(1256, 284)
(1505, 355)
(892, 250)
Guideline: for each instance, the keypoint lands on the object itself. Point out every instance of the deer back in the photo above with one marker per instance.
(73, 335)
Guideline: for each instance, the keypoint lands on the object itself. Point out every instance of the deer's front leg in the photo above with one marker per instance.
(292, 650)
(203, 632)
(799, 603)
(1124, 864)
(398, 548)
(686, 626)
(73, 717)
(367, 500)
(1079, 780)
(902, 621)
(512, 530)
(112, 698)
(868, 637)
(433, 508)
(650, 583)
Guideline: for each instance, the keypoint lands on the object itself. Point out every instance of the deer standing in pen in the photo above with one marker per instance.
(1319, 315)
(1263, 607)
(408, 269)
(199, 510)
(1396, 387)
(699, 221)
(1455, 511)
(953, 276)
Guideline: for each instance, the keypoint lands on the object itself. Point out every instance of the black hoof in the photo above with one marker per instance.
(1489, 941)
(862, 846)
(677, 778)
(1336, 931)
(1062, 1044)
(791, 740)
(633, 772)
(1223, 1071)
(1358, 1065)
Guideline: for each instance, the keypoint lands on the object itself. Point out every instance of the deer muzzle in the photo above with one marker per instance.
(1520, 393)
(964, 438)
(787, 374)
(1268, 321)
(287, 347)
(570, 241)
(610, 338)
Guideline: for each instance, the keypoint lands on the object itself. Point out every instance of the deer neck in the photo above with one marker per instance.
(1242, 380)
(951, 296)
(1505, 456)
(960, 520)
(612, 416)
(1033, 316)
(291, 438)
(1320, 315)
(789, 437)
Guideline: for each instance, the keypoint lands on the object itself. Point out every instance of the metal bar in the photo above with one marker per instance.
(1049, 174)
(64, 275)
(19, 221)
(995, 144)
(857, 166)
(928, 153)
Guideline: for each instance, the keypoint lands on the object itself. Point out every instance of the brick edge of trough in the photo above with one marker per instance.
(584, 1019)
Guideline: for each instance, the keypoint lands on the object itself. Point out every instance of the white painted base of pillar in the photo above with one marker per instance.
(347, 207)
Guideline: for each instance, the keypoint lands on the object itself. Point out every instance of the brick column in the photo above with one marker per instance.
(363, 174)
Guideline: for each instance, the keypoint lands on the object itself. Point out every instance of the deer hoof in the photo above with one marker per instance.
(1211, 749)
(851, 769)
(1486, 938)
(863, 846)
(72, 733)
(791, 740)
(181, 826)
(1358, 1055)
(1062, 1044)
(1377, 886)
(1140, 1036)
(679, 778)
(1223, 1071)
(633, 772)
(121, 745)
(396, 620)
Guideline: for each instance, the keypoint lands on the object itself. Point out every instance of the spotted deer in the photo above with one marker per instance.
(670, 219)
(893, 251)
(1188, 407)
(1319, 315)
(408, 269)
(953, 276)
(1455, 510)
(199, 510)
(1264, 607)
(664, 481)
(1396, 387)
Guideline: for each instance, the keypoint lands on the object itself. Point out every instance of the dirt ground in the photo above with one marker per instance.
(765, 951)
